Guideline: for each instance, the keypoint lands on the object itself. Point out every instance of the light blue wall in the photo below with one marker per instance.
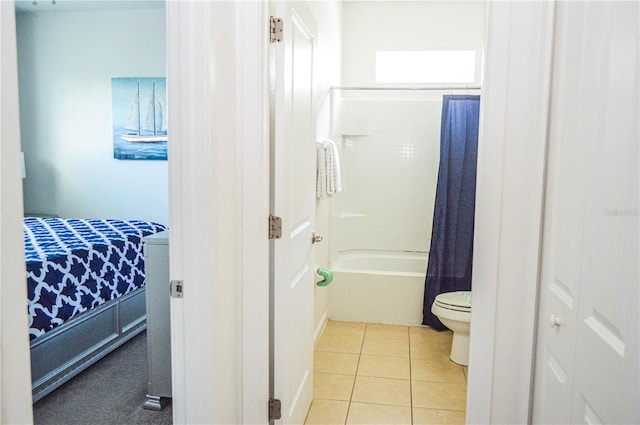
(66, 62)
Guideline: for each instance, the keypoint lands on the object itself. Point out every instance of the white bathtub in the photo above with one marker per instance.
(378, 287)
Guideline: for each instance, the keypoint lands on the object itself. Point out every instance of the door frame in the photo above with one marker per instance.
(15, 373)
(219, 207)
(509, 206)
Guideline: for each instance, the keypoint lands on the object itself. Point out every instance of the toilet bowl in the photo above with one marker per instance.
(454, 311)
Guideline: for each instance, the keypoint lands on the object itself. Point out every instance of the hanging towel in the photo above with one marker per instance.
(337, 178)
(328, 178)
(330, 167)
(321, 173)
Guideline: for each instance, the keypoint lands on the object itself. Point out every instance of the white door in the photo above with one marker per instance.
(293, 197)
(587, 355)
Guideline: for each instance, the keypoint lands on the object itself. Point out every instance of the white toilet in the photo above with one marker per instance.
(454, 311)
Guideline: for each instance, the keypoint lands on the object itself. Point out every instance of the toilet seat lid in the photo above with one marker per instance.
(459, 300)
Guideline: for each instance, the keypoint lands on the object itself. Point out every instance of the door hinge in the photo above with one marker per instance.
(276, 29)
(177, 289)
(275, 409)
(275, 227)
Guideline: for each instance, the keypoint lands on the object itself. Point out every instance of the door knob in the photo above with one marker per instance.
(315, 238)
(554, 321)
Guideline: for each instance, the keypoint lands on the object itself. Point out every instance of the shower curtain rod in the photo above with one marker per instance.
(408, 88)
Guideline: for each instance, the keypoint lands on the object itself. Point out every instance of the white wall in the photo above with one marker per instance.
(328, 15)
(370, 26)
(66, 62)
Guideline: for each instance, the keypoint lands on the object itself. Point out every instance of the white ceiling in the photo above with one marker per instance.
(68, 5)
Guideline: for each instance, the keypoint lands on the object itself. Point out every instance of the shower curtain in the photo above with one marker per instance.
(451, 252)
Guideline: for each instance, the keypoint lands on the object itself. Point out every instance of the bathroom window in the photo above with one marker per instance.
(427, 66)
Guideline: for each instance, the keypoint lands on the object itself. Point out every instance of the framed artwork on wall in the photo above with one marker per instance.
(139, 118)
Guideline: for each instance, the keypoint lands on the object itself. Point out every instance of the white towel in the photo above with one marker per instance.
(337, 177)
(330, 167)
(328, 178)
(321, 174)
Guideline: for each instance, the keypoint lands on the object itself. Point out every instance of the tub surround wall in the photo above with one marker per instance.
(390, 151)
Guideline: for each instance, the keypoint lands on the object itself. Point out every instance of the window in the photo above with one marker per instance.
(430, 66)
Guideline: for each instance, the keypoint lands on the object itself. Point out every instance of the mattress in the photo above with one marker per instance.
(74, 265)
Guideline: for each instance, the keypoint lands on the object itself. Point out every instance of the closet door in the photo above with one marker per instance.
(588, 329)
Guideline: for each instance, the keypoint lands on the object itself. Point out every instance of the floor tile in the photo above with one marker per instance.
(436, 369)
(340, 363)
(419, 350)
(465, 369)
(427, 339)
(370, 414)
(340, 343)
(388, 332)
(431, 350)
(384, 366)
(439, 395)
(338, 326)
(442, 351)
(430, 346)
(371, 373)
(369, 389)
(434, 416)
(327, 412)
(425, 332)
(385, 347)
(329, 386)
(433, 354)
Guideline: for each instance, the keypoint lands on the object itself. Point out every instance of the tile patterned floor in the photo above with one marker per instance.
(368, 373)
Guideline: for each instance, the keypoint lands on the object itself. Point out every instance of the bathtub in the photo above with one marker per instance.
(378, 287)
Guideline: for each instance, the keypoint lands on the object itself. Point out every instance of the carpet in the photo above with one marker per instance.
(112, 391)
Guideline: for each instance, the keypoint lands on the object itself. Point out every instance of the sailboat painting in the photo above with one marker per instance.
(139, 118)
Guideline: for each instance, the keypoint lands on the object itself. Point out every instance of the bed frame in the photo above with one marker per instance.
(64, 352)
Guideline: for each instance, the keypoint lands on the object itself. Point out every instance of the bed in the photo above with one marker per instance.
(85, 284)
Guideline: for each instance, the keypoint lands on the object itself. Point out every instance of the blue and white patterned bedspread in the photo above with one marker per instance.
(74, 265)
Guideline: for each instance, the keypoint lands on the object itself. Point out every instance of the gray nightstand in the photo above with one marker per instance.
(156, 257)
